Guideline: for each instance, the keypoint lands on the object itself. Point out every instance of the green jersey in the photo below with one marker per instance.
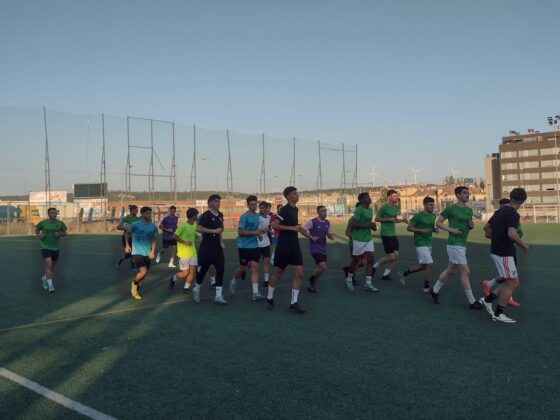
(388, 210)
(129, 219)
(423, 220)
(459, 218)
(186, 232)
(362, 216)
(519, 230)
(48, 227)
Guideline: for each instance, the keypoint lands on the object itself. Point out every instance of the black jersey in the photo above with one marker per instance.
(503, 219)
(210, 220)
(288, 216)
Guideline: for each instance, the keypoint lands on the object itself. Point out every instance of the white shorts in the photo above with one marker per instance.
(506, 266)
(424, 254)
(457, 254)
(185, 263)
(359, 248)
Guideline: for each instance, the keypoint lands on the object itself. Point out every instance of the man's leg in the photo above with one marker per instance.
(369, 273)
(296, 286)
(351, 270)
(266, 270)
(138, 278)
(219, 263)
(465, 273)
(272, 284)
(254, 267)
(442, 280)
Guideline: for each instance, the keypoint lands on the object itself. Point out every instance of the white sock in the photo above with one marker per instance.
(350, 277)
(368, 280)
(270, 292)
(437, 287)
(187, 285)
(212, 280)
(255, 288)
(376, 265)
(295, 294)
(492, 282)
(174, 278)
(197, 287)
(266, 275)
(386, 272)
(49, 282)
(233, 281)
(218, 291)
(470, 297)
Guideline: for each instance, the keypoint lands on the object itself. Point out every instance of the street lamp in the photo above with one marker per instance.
(555, 122)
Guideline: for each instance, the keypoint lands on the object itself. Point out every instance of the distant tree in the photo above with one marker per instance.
(449, 180)
(482, 183)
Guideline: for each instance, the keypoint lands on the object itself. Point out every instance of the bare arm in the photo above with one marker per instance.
(126, 241)
(202, 229)
(440, 225)
(277, 226)
(514, 236)
(412, 228)
(488, 230)
(153, 249)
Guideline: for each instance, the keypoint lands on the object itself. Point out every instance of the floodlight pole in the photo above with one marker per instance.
(263, 168)
(193, 166)
(151, 179)
(229, 169)
(47, 164)
(320, 173)
(293, 173)
(105, 195)
(128, 175)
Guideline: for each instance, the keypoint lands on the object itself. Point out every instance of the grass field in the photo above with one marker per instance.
(388, 355)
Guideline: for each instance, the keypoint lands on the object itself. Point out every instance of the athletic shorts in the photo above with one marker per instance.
(169, 242)
(506, 266)
(359, 248)
(319, 258)
(286, 255)
(424, 254)
(264, 252)
(141, 261)
(49, 253)
(185, 263)
(457, 254)
(248, 254)
(390, 244)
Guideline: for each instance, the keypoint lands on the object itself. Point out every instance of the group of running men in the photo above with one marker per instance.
(259, 230)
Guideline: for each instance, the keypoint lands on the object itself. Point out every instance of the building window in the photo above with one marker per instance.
(507, 155)
(510, 177)
(532, 187)
(548, 163)
(549, 175)
(528, 165)
(528, 153)
(533, 200)
(548, 151)
(530, 175)
(550, 199)
(509, 166)
(549, 187)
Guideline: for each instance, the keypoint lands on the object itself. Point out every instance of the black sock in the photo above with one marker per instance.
(491, 297)
(311, 278)
(426, 284)
(407, 272)
(499, 309)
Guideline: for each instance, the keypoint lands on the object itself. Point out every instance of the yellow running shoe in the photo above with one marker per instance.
(134, 291)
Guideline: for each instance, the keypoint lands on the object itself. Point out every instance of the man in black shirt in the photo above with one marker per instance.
(288, 251)
(211, 249)
(504, 225)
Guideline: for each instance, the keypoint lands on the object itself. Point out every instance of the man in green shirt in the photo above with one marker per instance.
(348, 233)
(124, 224)
(423, 226)
(362, 241)
(185, 235)
(49, 231)
(387, 215)
(460, 223)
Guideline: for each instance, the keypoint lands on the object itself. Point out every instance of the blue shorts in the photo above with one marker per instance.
(49, 253)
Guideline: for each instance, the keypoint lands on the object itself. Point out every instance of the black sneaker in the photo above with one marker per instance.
(373, 272)
(311, 289)
(387, 277)
(171, 283)
(345, 269)
(435, 296)
(476, 305)
(297, 308)
(213, 286)
(186, 290)
(269, 304)
(265, 284)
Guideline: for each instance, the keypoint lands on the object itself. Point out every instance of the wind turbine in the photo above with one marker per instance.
(373, 174)
(415, 172)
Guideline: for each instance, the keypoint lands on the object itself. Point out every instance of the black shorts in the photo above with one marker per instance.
(169, 242)
(141, 261)
(264, 251)
(48, 253)
(390, 244)
(287, 254)
(248, 254)
(319, 258)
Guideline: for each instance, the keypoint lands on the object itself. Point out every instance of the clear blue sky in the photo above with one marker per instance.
(427, 84)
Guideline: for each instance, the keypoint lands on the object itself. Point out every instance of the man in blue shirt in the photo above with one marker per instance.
(248, 232)
(144, 234)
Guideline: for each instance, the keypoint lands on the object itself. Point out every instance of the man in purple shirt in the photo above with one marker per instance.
(168, 225)
(320, 228)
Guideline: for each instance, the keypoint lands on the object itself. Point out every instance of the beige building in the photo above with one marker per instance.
(527, 160)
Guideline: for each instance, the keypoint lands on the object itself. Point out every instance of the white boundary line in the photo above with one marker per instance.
(54, 396)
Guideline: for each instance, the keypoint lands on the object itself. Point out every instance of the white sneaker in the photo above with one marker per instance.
(487, 306)
(44, 283)
(158, 258)
(426, 290)
(51, 288)
(171, 265)
(349, 285)
(402, 278)
(503, 318)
